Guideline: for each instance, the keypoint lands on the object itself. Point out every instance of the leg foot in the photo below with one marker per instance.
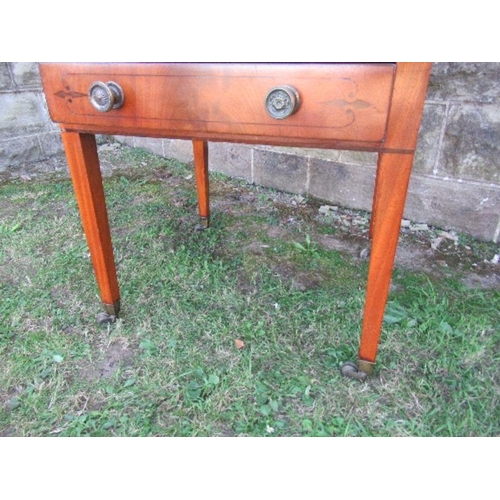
(112, 309)
(202, 225)
(366, 366)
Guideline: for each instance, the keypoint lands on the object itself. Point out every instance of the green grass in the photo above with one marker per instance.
(170, 367)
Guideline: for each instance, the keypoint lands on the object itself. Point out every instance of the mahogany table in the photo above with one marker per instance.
(367, 107)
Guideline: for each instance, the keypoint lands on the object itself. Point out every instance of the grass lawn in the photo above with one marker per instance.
(273, 273)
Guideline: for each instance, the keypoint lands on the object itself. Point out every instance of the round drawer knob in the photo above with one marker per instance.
(282, 101)
(106, 96)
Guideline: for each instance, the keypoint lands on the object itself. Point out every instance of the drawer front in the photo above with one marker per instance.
(339, 102)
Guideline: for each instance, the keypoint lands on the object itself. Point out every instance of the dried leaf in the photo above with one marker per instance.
(239, 343)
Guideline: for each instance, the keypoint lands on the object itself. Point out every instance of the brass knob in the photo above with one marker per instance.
(282, 101)
(106, 96)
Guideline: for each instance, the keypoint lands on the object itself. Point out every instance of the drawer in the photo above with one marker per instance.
(336, 102)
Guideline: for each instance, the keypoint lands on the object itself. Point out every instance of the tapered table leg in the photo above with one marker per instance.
(393, 176)
(200, 149)
(83, 161)
(373, 218)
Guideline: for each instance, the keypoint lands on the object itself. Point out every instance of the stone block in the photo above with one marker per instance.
(125, 139)
(26, 74)
(346, 185)
(324, 154)
(465, 81)
(23, 113)
(282, 171)
(19, 150)
(51, 143)
(358, 157)
(154, 145)
(234, 160)
(5, 79)
(472, 208)
(429, 138)
(179, 149)
(102, 139)
(471, 144)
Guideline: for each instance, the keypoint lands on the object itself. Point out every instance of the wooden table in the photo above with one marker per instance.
(367, 107)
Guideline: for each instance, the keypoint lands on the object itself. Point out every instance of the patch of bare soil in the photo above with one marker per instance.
(116, 355)
(439, 252)
(51, 168)
(421, 248)
(297, 279)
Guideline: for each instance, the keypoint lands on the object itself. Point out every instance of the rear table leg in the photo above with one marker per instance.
(200, 149)
(365, 252)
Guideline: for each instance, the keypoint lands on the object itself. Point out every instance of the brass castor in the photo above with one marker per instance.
(202, 225)
(351, 370)
(365, 254)
(104, 318)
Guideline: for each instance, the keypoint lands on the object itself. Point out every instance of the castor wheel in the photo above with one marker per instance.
(365, 254)
(104, 318)
(351, 370)
(202, 225)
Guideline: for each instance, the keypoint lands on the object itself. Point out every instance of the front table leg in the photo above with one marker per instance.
(393, 176)
(83, 161)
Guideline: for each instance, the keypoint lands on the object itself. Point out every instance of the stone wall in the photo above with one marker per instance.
(456, 178)
(26, 132)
